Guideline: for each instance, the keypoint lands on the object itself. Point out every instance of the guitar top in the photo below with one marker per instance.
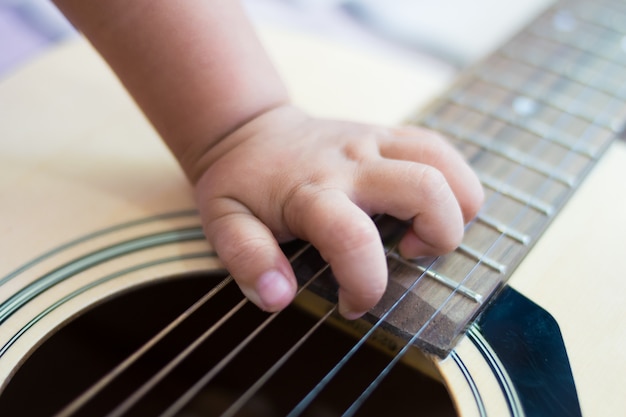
(89, 214)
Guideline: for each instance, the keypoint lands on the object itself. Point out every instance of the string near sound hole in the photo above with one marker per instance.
(88, 347)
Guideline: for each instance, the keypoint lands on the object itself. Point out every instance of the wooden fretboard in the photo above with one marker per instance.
(532, 119)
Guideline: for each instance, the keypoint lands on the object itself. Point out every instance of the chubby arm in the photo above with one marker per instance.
(194, 67)
(263, 170)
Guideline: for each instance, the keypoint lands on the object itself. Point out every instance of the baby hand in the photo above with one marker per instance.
(285, 175)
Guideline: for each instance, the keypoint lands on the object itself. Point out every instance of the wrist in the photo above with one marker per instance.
(203, 153)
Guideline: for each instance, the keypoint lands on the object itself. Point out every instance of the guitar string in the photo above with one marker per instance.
(603, 27)
(366, 393)
(486, 119)
(158, 377)
(260, 382)
(374, 383)
(570, 149)
(305, 402)
(132, 399)
(564, 73)
(576, 45)
(354, 407)
(566, 111)
(98, 386)
(561, 72)
(398, 356)
(199, 385)
(592, 85)
(108, 378)
(586, 51)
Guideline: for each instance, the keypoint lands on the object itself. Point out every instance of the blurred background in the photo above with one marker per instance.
(447, 33)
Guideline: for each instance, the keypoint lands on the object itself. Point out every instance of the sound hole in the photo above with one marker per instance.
(92, 344)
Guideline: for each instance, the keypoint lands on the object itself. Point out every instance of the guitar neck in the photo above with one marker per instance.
(533, 119)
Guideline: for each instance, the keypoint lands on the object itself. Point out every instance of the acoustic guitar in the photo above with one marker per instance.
(112, 302)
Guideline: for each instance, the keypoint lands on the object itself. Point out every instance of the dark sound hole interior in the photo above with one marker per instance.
(91, 345)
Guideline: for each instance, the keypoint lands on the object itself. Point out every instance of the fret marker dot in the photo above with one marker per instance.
(564, 21)
(524, 106)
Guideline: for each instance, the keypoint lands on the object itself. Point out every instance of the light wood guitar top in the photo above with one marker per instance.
(76, 155)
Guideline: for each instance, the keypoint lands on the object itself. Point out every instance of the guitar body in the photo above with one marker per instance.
(93, 208)
(570, 273)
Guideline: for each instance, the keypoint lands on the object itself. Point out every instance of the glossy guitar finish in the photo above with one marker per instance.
(533, 119)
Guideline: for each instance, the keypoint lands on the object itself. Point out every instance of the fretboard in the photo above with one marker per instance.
(532, 119)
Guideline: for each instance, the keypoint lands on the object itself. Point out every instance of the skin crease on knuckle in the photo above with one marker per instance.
(442, 225)
(228, 119)
(336, 169)
(359, 261)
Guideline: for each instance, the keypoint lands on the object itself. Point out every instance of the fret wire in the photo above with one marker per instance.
(437, 276)
(503, 118)
(581, 114)
(504, 229)
(569, 153)
(598, 76)
(246, 396)
(97, 387)
(486, 119)
(584, 15)
(580, 139)
(306, 401)
(459, 288)
(496, 225)
(578, 101)
(519, 216)
(487, 116)
(564, 161)
(561, 119)
(509, 152)
(257, 385)
(568, 156)
(442, 279)
(605, 49)
(396, 358)
(563, 72)
(503, 188)
(374, 384)
(582, 149)
(470, 273)
(567, 41)
(505, 54)
(518, 157)
(581, 52)
(603, 22)
(477, 256)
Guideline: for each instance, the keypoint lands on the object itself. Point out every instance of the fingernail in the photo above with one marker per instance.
(274, 290)
(349, 314)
